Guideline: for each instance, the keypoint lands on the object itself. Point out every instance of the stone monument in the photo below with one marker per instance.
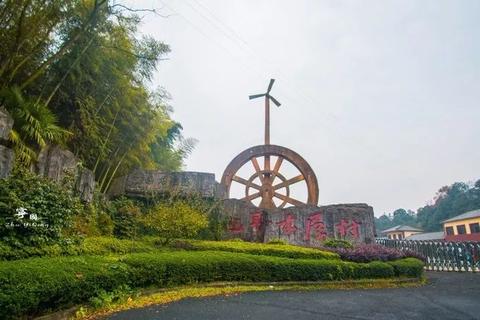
(304, 222)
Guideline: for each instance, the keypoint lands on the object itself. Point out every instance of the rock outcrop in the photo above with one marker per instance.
(7, 155)
(146, 183)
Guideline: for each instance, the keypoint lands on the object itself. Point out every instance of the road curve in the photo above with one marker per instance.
(447, 296)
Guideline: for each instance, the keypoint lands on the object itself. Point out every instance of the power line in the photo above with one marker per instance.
(244, 44)
(218, 43)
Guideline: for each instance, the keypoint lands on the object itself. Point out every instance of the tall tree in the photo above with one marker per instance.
(79, 66)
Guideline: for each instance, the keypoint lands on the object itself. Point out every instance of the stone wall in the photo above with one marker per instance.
(306, 225)
(146, 183)
(54, 163)
(6, 124)
(6, 161)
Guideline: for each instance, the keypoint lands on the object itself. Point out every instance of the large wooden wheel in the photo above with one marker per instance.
(268, 182)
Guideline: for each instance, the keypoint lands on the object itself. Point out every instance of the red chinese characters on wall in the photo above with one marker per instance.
(315, 223)
(256, 220)
(287, 226)
(348, 228)
(235, 225)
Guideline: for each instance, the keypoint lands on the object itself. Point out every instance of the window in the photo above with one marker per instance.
(474, 228)
(395, 236)
(389, 236)
(461, 229)
(400, 237)
(449, 231)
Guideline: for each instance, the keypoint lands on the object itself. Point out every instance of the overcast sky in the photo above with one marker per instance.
(382, 98)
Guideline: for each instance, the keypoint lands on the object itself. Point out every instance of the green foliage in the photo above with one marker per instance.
(107, 298)
(93, 221)
(448, 202)
(278, 250)
(126, 221)
(33, 286)
(209, 207)
(408, 267)
(50, 209)
(177, 220)
(84, 64)
(87, 246)
(398, 217)
(337, 243)
(34, 126)
(36, 285)
(277, 241)
(106, 246)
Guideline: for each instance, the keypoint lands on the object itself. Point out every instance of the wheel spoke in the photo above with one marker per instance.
(289, 182)
(257, 168)
(276, 168)
(246, 182)
(252, 196)
(288, 199)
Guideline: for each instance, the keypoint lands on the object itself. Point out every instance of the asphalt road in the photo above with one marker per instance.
(447, 296)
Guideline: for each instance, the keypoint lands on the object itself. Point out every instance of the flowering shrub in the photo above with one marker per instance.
(372, 252)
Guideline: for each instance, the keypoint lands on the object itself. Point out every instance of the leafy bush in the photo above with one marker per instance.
(93, 221)
(126, 216)
(337, 243)
(177, 220)
(278, 250)
(33, 210)
(374, 252)
(33, 286)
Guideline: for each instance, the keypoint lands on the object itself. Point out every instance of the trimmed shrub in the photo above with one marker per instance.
(185, 267)
(105, 246)
(33, 286)
(337, 243)
(37, 285)
(408, 267)
(277, 250)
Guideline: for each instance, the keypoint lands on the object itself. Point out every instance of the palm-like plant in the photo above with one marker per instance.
(34, 125)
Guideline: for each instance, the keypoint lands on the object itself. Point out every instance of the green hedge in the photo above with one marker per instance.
(33, 286)
(88, 246)
(109, 245)
(408, 267)
(36, 285)
(276, 250)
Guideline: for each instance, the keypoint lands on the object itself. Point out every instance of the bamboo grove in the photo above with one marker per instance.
(76, 73)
